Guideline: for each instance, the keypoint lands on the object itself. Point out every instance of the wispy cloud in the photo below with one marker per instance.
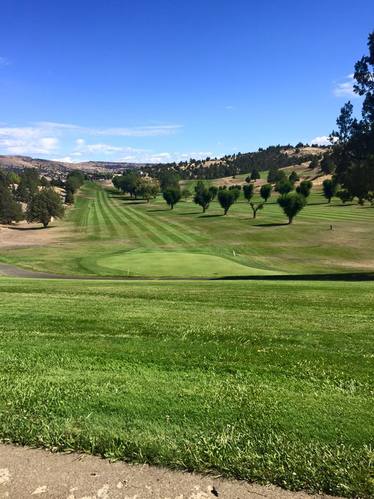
(4, 61)
(44, 138)
(27, 140)
(345, 87)
(137, 131)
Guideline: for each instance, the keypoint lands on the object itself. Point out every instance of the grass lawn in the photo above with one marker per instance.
(263, 381)
(108, 234)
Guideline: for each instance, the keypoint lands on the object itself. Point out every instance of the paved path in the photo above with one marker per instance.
(37, 473)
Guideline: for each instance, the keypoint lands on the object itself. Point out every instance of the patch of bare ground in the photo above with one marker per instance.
(25, 235)
(27, 473)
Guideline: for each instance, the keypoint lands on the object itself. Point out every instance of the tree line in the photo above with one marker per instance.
(291, 199)
(27, 196)
(351, 160)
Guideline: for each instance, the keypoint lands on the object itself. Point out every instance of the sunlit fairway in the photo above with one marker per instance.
(110, 234)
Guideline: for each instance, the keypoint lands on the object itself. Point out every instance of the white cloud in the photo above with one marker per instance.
(44, 137)
(146, 131)
(345, 88)
(4, 61)
(140, 131)
(323, 140)
(26, 140)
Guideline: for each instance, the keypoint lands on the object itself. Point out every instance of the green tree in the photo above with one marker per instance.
(265, 191)
(248, 191)
(284, 186)
(293, 177)
(69, 197)
(43, 206)
(146, 188)
(255, 175)
(353, 147)
(203, 197)
(344, 196)
(172, 196)
(256, 208)
(329, 188)
(304, 188)
(28, 185)
(327, 164)
(291, 203)
(226, 199)
(275, 176)
(10, 210)
(213, 190)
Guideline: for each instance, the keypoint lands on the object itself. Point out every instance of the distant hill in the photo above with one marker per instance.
(273, 157)
(58, 168)
(263, 159)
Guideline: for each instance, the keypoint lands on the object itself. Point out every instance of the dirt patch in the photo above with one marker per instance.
(24, 235)
(27, 473)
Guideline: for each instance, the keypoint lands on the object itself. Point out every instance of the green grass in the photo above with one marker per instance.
(105, 227)
(262, 381)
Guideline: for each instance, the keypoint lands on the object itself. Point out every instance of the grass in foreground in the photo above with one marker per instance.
(262, 381)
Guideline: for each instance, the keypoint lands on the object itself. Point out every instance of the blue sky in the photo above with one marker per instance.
(166, 80)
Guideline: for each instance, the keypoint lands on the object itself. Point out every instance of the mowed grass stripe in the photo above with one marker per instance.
(142, 233)
(146, 223)
(113, 229)
(166, 230)
(129, 230)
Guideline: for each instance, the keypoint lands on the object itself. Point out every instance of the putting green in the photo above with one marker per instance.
(174, 264)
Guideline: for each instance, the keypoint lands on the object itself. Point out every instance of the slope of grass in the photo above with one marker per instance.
(257, 380)
(104, 224)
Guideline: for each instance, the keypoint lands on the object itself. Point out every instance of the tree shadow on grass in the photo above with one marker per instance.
(188, 213)
(210, 216)
(128, 203)
(280, 224)
(29, 228)
(341, 205)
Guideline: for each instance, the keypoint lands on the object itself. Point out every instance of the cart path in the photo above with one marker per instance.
(37, 473)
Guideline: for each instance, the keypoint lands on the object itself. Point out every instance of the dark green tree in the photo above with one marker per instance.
(256, 208)
(10, 210)
(28, 185)
(255, 175)
(327, 164)
(344, 196)
(293, 177)
(353, 149)
(203, 197)
(226, 199)
(43, 206)
(291, 203)
(248, 191)
(304, 188)
(284, 186)
(265, 191)
(172, 196)
(329, 188)
(213, 191)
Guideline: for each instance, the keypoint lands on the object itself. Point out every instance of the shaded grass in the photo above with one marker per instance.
(263, 381)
